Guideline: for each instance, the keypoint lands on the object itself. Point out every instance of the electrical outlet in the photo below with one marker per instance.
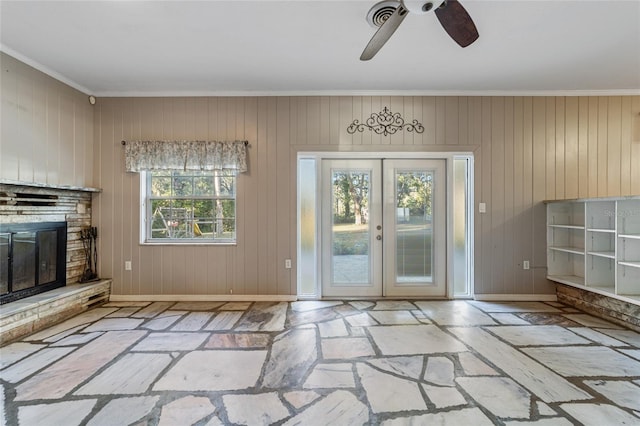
(287, 263)
(482, 207)
(127, 265)
(525, 264)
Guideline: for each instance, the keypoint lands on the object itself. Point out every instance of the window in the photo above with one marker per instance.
(189, 206)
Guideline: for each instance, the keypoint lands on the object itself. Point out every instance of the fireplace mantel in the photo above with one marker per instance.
(48, 186)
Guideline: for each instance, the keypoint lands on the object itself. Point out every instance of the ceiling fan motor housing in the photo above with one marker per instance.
(421, 6)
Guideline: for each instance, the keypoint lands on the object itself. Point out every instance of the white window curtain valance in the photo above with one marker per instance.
(185, 155)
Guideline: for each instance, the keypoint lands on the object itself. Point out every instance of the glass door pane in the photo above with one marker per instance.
(352, 242)
(47, 247)
(415, 227)
(351, 231)
(5, 239)
(24, 265)
(414, 242)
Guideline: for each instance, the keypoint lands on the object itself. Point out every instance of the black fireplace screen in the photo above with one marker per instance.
(33, 258)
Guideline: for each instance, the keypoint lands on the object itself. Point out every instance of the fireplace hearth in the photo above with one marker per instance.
(32, 259)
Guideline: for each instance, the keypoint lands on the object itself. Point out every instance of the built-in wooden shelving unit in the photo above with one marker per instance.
(594, 244)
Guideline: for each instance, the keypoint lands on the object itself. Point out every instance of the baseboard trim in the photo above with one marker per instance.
(292, 298)
(201, 298)
(487, 297)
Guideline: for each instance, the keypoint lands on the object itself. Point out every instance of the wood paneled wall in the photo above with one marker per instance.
(527, 149)
(46, 126)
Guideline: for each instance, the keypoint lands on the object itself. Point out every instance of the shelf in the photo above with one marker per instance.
(630, 236)
(573, 250)
(594, 199)
(631, 298)
(630, 264)
(607, 254)
(566, 226)
(567, 279)
(601, 239)
(48, 186)
(602, 288)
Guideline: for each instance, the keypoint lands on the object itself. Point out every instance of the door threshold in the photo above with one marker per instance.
(382, 298)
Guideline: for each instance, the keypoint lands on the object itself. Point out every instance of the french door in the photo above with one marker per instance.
(383, 228)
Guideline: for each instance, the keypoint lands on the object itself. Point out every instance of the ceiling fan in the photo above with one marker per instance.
(389, 14)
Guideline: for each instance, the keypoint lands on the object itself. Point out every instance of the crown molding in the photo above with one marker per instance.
(44, 69)
(294, 93)
(367, 93)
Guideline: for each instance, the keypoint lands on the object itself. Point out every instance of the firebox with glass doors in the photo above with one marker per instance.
(32, 259)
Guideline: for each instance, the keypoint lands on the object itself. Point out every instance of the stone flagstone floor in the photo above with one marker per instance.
(324, 363)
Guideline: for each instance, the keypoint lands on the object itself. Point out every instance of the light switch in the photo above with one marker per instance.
(482, 207)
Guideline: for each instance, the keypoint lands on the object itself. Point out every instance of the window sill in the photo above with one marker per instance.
(188, 243)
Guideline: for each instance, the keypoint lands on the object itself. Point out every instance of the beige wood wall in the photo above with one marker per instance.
(46, 127)
(527, 149)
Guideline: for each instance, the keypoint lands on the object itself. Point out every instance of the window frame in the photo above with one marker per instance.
(146, 213)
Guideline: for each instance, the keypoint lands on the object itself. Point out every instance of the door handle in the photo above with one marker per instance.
(379, 227)
(378, 237)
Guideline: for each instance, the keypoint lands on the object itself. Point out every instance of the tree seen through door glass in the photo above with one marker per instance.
(351, 226)
(414, 218)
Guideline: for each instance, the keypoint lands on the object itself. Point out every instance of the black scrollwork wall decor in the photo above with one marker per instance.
(385, 123)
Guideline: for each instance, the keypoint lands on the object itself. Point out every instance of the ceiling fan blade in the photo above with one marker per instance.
(383, 34)
(457, 23)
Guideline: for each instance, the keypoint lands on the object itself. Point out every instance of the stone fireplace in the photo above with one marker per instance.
(27, 214)
(34, 218)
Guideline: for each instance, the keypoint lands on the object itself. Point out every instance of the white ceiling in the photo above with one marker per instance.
(139, 48)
